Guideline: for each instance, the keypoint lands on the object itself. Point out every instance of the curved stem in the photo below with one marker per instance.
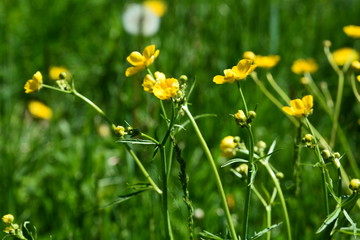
(337, 108)
(142, 169)
(242, 98)
(322, 167)
(277, 88)
(281, 196)
(354, 88)
(214, 170)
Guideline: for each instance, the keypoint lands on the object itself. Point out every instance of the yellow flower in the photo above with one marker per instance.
(157, 6)
(266, 61)
(39, 110)
(302, 66)
(8, 218)
(55, 71)
(165, 89)
(227, 146)
(358, 78)
(345, 55)
(149, 82)
(34, 84)
(352, 31)
(300, 107)
(238, 72)
(141, 61)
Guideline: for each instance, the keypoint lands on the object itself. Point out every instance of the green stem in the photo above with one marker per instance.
(242, 98)
(142, 169)
(281, 196)
(56, 89)
(165, 210)
(322, 167)
(337, 108)
(354, 88)
(249, 182)
(93, 105)
(215, 172)
(297, 154)
(314, 90)
(271, 97)
(277, 87)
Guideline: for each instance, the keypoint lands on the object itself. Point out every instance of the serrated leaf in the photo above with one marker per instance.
(259, 234)
(235, 160)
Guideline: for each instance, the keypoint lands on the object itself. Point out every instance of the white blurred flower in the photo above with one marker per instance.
(139, 19)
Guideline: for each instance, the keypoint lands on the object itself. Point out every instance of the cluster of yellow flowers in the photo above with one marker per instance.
(157, 83)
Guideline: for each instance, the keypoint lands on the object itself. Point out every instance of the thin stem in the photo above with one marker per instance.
(56, 89)
(354, 88)
(297, 158)
(277, 88)
(281, 196)
(249, 182)
(93, 105)
(337, 108)
(322, 167)
(242, 98)
(215, 172)
(165, 210)
(271, 97)
(314, 90)
(142, 169)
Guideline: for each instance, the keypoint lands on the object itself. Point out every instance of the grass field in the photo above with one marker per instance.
(63, 174)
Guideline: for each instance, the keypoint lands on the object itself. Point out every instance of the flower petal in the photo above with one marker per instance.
(133, 70)
(149, 51)
(136, 59)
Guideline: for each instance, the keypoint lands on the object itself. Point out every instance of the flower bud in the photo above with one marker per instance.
(304, 80)
(327, 43)
(183, 78)
(240, 118)
(8, 218)
(326, 154)
(337, 155)
(251, 114)
(242, 169)
(280, 175)
(119, 131)
(354, 184)
(261, 146)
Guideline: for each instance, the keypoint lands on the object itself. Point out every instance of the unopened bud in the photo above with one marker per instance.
(251, 114)
(327, 43)
(280, 175)
(243, 169)
(183, 78)
(326, 154)
(354, 184)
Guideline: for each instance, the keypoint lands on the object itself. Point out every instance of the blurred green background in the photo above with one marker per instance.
(59, 174)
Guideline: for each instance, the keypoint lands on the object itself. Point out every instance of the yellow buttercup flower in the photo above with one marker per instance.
(266, 61)
(34, 84)
(165, 89)
(355, 65)
(300, 107)
(227, 146)
(39, 110)
(149, 82)
(302, 66)
(54, 72)
(352, 31)
(238, 72)
(158, 7)
(8, 218)
(141, 61)
(345, 55)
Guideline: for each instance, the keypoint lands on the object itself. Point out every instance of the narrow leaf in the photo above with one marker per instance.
(259, 234)
(235, 160)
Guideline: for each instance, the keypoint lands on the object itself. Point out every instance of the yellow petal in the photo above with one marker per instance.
(149, 51)
(218, 79)
(308, 101)
(40, 110)
(288, 110)
(136, 59)
(133, 70)
(297, 104)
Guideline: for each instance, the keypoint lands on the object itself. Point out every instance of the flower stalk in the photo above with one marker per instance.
(214, 170)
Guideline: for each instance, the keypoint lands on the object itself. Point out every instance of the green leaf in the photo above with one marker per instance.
(137, 141)
(208, 235)
(259, 234)
(330, 219)
(29, 230)
(125, 197)
(235, 160)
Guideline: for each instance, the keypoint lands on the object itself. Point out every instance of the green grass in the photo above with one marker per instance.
(57, 174)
